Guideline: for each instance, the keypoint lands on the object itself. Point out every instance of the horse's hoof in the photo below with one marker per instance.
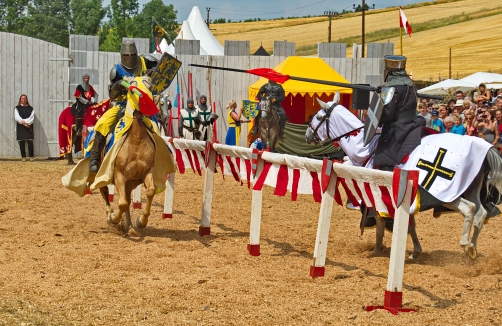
(472, 252)
(110, 221)
(414, 255)
(141, 225)
(132, 232)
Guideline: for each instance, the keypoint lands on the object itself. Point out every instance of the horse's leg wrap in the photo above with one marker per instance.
(78, 126)
(97, 147)
(69, 156)
(282, 125)
(256, 125)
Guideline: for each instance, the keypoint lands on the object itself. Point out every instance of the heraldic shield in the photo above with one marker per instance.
(374, 113)
(164, 73)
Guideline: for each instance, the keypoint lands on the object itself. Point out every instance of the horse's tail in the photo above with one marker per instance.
(495, 177)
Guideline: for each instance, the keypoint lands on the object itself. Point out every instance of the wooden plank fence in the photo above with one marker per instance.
(49, 74)
(32, 67)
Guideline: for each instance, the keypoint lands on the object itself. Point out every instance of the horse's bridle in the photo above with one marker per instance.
(324, 118)
(268, 111)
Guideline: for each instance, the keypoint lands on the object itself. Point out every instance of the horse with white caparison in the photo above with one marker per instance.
(336, 123)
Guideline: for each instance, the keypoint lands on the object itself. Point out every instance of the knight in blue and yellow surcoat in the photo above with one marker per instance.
(131, 65)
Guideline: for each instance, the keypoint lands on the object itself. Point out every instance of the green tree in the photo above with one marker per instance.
(86, 16)
(359, 8)
(120, 13)
(48, 20)
(165, 15)
(12, 14)
(109, 41)
(219, 21)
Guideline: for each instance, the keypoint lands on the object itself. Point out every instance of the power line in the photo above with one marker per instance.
(227, 11)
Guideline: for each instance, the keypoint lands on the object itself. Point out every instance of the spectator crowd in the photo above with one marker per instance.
(478, 114)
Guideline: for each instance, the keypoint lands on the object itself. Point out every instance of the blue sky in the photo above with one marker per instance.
(238, 10)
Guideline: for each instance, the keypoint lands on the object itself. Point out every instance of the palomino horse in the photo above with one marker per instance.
(269, 124)
(336, 123)
(138, 156)
(134, 166)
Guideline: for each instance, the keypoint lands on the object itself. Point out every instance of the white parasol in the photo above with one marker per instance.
(448, 86)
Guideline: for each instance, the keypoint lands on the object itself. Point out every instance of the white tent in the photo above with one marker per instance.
(195, 28)
(448, 86)
(494, 85)
(482, 77)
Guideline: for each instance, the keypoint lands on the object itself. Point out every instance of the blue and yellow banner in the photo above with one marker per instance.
(250, 109)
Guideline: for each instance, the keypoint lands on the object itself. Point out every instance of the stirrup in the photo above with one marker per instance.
(94, 166)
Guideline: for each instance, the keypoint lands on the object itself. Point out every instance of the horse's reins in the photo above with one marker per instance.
(324, 118)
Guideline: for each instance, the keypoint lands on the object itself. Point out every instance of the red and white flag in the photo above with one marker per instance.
(403, 22)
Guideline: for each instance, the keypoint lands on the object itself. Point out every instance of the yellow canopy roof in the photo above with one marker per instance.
(314, 68)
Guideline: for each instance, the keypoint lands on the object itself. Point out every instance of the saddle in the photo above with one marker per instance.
(77, 110)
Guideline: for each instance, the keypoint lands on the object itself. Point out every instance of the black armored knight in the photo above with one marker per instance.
(401, 127)
(277, 95)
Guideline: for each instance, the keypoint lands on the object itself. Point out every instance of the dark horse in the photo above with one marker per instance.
(337, 123)
(67, 134)
(69, 140)
(269, 124)
(164, 106)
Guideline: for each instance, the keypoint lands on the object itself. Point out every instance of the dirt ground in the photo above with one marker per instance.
(61, 264)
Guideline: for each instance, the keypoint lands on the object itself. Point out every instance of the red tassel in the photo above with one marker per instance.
(146, 104)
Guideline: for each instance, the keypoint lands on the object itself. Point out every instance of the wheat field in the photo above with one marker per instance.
(473, 42)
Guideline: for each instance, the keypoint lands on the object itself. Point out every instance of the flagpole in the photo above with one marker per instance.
(152, 39)
(400, 32)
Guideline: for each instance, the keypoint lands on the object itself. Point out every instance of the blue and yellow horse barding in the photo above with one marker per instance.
(138, 156)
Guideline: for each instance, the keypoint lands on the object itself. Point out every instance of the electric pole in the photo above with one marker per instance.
(363, 9)
(207, 19)
(330, 14)
(362, 37)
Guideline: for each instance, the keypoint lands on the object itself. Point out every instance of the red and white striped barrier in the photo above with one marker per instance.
(322, 179)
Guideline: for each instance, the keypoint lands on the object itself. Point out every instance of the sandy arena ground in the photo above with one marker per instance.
(61, 264)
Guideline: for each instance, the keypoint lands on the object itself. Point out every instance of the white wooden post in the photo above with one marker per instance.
(323, 226)
(207, 197)
(398, 249)
(256, 205)
(136, 197)
(111, 191)
(169, 196)
(393, 298)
